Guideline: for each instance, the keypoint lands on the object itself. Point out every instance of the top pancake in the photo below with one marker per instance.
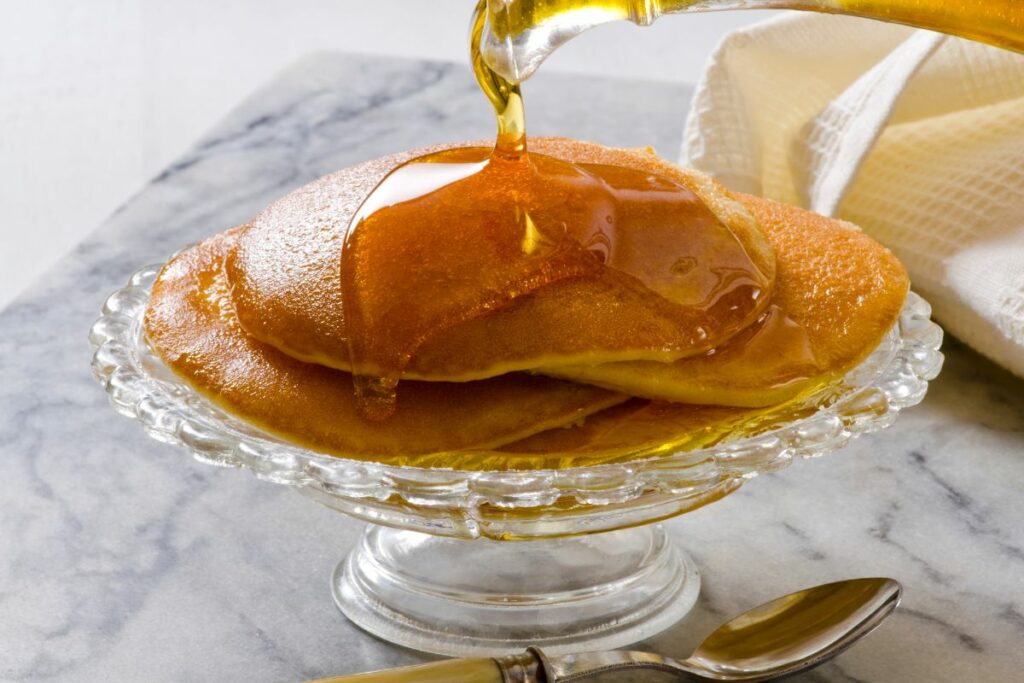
(286, 287)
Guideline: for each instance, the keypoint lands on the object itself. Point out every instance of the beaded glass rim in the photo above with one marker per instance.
(140, 386)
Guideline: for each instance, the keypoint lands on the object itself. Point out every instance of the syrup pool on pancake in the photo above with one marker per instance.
(464, 233)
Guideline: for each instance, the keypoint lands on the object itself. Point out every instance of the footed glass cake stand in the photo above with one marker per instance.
(461, 562)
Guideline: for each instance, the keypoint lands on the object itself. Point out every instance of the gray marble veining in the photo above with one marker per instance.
(121, 559)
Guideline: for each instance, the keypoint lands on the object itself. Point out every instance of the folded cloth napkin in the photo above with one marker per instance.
(915, 136)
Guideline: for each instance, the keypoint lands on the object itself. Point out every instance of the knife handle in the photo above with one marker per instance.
(450, 671)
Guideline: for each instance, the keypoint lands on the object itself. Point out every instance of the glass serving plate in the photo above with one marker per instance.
(462, 562)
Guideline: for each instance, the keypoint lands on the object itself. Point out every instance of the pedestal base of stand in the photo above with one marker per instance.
(484, 597)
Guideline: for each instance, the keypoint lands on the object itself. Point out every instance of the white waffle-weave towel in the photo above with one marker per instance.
(916, 137)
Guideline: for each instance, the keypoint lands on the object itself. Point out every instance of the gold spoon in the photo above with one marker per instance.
(789, 634)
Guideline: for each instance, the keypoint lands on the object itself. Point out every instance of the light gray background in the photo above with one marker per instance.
(97, 97)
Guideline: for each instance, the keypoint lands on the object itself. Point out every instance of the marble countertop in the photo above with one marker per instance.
(123, 559)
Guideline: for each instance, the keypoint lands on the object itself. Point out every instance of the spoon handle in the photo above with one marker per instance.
(522, 668)
(451, 671)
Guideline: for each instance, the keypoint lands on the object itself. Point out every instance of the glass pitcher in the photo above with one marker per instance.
(520, 34)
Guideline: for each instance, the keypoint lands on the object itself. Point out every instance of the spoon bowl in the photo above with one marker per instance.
(779, 638)
(795, 632)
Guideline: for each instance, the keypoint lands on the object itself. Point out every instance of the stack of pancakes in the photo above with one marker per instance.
(253, 319)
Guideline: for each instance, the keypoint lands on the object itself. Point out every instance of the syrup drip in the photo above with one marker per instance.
(462, 233)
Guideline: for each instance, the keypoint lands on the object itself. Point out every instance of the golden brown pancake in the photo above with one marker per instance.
(287, 291)
(641, 428)
(192, 325)
(837, 293)
(635, 429)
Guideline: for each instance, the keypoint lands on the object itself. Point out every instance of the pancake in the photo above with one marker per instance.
(286, 285)
(635, 429)
(192, 325)
(640, 428)
(837, 293)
